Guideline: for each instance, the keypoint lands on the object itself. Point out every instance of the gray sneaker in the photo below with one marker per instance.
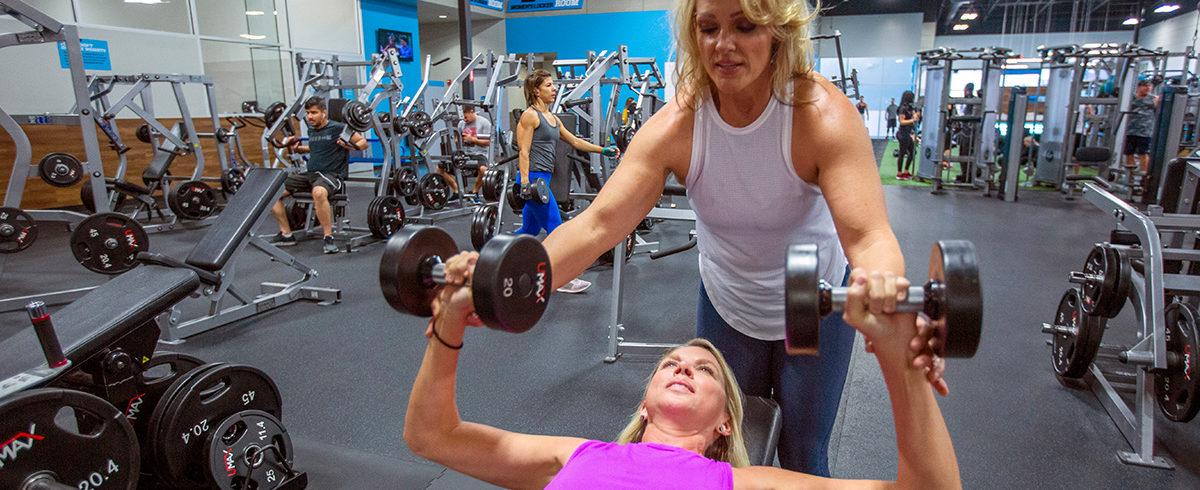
(330, 247)
(282, 241)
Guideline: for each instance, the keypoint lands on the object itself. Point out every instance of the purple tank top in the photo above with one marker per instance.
(597, 464)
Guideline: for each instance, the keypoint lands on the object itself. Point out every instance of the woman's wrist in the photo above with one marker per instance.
(448, 331)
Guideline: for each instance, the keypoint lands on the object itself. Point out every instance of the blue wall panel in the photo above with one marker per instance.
(397, 15)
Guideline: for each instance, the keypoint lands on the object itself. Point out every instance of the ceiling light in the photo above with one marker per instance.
(961, 27)
(1165, 7)
(146, 2)
(1014, 61)
(899, 60)
(253, 37)
(441, 16)
(1131, 21)
(1017, 67)
(969, 16)
(255, 12)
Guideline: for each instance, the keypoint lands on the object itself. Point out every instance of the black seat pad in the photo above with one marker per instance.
(130, 188)
(163, 158)
(761, 423)
(233, 225)
(340, 197)
(101, 316)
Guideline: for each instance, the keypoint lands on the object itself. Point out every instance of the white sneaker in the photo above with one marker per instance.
(576, 286)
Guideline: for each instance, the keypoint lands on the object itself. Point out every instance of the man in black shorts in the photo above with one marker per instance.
(1140, 127)
(326, 170)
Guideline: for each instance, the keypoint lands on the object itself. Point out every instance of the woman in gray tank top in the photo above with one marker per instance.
(537, 134)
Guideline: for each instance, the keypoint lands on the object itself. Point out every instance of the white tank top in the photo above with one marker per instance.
(750, 206)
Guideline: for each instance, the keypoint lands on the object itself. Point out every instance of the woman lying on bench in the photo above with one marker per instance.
(686, 432)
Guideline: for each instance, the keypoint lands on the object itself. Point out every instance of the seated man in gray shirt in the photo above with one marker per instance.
(477, 135)
(325, 172)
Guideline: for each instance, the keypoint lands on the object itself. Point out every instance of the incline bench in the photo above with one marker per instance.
(212, 261)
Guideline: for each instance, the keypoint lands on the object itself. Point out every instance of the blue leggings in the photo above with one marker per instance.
(536, 216)
(807, 389)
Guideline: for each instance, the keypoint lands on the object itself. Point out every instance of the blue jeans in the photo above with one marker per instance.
(807, 389)
(536, 216)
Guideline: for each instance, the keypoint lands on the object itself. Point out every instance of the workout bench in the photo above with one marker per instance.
(225, 239)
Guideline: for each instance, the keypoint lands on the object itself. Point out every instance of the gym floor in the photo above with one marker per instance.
(345, 370)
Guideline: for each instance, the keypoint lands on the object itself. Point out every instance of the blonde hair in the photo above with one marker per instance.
(791, 56)
(532, 82)
(730, 448)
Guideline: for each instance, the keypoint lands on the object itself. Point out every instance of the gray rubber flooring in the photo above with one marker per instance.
(345, 370)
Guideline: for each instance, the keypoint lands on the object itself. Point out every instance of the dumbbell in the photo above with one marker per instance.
(539, 191)
(510, 287)
(951, 299)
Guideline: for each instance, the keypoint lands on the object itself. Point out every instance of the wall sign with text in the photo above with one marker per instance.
(95, 54)
(536, 5)
(489, 4)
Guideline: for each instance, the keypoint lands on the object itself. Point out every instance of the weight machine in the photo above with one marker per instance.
(1079, 84)
(982, 110)
(194, 200)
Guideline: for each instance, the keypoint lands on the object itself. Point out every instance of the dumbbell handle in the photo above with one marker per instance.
(44, 329)
(914, 303)
(434, 272)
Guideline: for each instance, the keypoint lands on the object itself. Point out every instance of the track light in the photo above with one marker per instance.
(1166, 7)
(961, 27)
(1131, 21)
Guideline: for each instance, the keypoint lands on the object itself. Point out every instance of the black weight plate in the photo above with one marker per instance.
(232, 180)
(372, 223)
(202, 403)
(434, 191)
(273, 113)
(1177, 390)
(484, 225)
(143, 133)
(802, 313)
(357, 115)
(85, 197)
(249, 449)
(630, 241)
(389, 216)
(540, 191)
(493, 181)
(1106, 296)
(108, 243)
(297, 213)
(98, 449)
(192, 200)
(512, 283)
(405, 266)
(17, 230)
(151, 384)
(1073, 350)
(60, 169)
(953, 264)
(514, 198)
(156, 416)
(408, 182)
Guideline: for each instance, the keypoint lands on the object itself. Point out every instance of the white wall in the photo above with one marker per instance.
(1026, 44)
(1174, 34)
(33, 81)
(872, 35)
(440, 40)
(326, 25)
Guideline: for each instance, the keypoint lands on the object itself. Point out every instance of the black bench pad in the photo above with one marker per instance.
(101, 316)
(235, 222)
(163, 157)
(761, 423)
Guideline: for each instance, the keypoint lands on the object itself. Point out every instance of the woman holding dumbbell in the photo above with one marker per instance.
(771, 154)
(537, 133)
(687, 430)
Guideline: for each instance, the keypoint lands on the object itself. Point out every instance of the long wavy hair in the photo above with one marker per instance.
(730, 448)
(791, 56)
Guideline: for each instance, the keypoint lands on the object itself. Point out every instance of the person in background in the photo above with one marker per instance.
(906, 135)
(890, 114)
(1140, 127)
(476, 136)
(862, 108)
